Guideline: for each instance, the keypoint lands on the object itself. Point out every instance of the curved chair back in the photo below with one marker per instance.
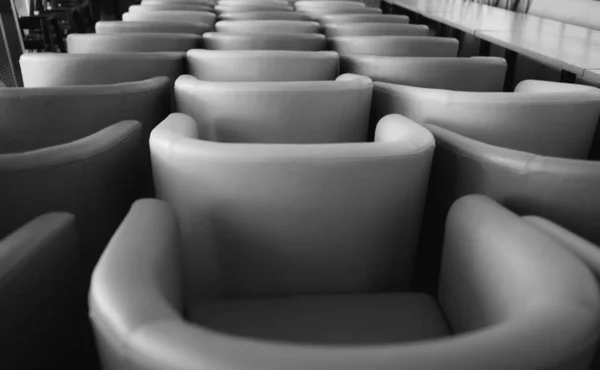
(321, 187)
(131, 42)
(462, 74)
(278, 112)
(250, 2)
(171, 16)
(268, 14)
(167, 7)
(179, 2)
(268, 26)
(252, 7)
(541, 117)
(375, 29)
(262, 65)
(105, 27)
(395, 46)
(318, 12)
(249, 41)
(51, 69)
(363, 18)
(94, 177)
(66, 114)
(40, 269)
(312, 5)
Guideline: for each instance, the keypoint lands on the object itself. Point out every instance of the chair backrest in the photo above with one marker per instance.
(395, 46)
(524, 182)
(298, 204)
(66, 114)
(268, 26)
(168, 7)
(250, 41)
(52, 70)
(152, 27)
(131, 42)
(541, 117)
(252, 7)
(179, 2)
(266, 14)
(95, 178)
(170, 16)
(375, 29)
(318, 12)
(362, 18)
(278, 112)
(462, 74)
(310, 5)
(262, 65)
(249, 2)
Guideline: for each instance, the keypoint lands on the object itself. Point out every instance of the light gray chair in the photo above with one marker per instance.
(252, 7)
(262, 65)
(131, 42)
(170, 16)
(267, 14)
(290, 112)
(362, 18)
(461, 74)
(268, 26)
(200, 7)
(119, 27)
(395, 46)
(375, 29)
(249, 41)
(52, 69)
(541, 117)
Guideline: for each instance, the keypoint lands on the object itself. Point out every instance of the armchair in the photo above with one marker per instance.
(278, 112)
(262, 65)
(119, 27)
(265, 14)
(249, 41)
(170, 16)
(395, 46)
(90, 43)
(375, 29)
(363, 18)
(268, 26)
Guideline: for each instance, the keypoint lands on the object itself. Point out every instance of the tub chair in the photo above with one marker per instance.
(363, 18)
(282, 15)
(250, 41)
(566, 191)
(461, 74)
(131, 42)
(541, 117)
(263, 305)
(395, 46)
(52, 69)
(375, 29)
(318, 12)
(262, 65)
(290, 112)
(587, 252)
(268, 26)
(178, 2)
(41, 295)
(45, 117)
(312, 5)
(94, 177)
(167, 7)
(170, 16)
(247, 2)
(254, 6)
(120, 27)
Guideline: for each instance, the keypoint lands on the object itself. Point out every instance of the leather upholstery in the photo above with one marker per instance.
(41, 295)
(184, 2)
(51, 69)
(546, 118)
(262, 65)
(462, 74)
(318, 12)
(278, 112)
(268, 26)
(152, 26)
(249, 41)
(202, 181)
(266, 14)
(375, 29)
(255, 6)
(309, 5)
(94, 177)
(348, 319)
(363, 18)
(558, 316)
(395, 46)
(66, 114)
(170, 16)
(175, 6)
(82, 43)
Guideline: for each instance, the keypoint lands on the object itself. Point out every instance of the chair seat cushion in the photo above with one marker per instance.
(326, 319)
